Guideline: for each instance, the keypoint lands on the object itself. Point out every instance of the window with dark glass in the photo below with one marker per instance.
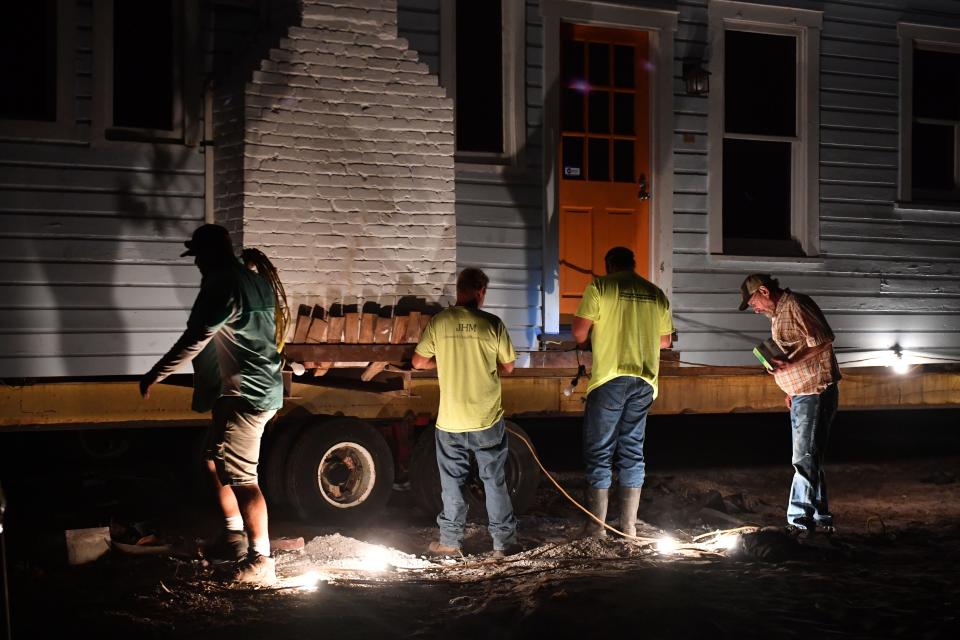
(28, 38)
(144, 63)
(760, 129)
(598, 112)
(936, 124)
(479, 77)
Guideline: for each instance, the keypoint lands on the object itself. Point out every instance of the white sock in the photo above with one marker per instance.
(262, 546)
(234, 523)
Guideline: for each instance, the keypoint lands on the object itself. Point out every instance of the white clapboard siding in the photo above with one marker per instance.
(885, 276)
(91, 233)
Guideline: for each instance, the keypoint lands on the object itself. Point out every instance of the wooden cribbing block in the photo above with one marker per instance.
(351, 328)
(413, 327)
(335, 329)
(399, 329)
(303, 323)
(317, 332)
(381, 335)
(367, 323)
(334, 334)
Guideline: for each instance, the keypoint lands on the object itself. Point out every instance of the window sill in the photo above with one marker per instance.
(720, 258)
(927, 207)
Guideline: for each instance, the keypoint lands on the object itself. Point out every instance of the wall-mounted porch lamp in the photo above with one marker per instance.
(696, 78)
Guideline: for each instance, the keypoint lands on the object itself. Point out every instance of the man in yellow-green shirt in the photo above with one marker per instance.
(630, 321)
(470, 349)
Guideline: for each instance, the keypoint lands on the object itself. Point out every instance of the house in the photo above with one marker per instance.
(373, 147)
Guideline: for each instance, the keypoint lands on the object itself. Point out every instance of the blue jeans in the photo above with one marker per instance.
(489, 447)
(810, 417)
(615, 421)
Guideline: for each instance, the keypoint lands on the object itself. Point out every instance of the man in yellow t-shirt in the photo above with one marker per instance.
(630, 320)
(470, 350)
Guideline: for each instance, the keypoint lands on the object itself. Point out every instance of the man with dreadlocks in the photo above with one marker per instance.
(235, 314)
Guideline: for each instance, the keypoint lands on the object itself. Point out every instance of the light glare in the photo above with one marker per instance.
(375, 559)
(666, 545)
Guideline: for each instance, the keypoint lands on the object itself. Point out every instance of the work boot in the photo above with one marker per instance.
(229, 545)
(629, 504)
(256, 570)
(510, 549)
(597, 504)
(440, 549)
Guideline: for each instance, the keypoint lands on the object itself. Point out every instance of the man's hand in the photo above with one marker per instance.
(788, 401)
(505, 368)
(782, 365)
(146, 382)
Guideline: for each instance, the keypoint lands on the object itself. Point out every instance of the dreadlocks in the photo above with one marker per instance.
(256, 259)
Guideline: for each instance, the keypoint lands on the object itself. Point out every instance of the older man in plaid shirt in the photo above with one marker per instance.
(809, 376)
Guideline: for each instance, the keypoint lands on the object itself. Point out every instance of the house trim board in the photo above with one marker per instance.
(662, 24)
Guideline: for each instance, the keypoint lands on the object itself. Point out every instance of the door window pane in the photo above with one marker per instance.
(599, 159)
(623, 73)
(623, 114)
(573, 158)
(572, 110)
(936, 84)
(479, 53)
(599, 112)
(623, 160)
(760, 76)
(933, 156)
(573, 63)
(756, 190)
(599, 55)
(28, 44)
(143, 64)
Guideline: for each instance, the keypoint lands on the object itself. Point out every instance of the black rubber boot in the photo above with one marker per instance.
(597, 504)
(629, 504)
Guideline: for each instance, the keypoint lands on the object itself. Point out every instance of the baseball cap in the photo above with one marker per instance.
(750, 285)
(208, 238)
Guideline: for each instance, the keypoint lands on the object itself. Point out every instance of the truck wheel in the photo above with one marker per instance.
(522, 475)
(339, 472)
(273, 474)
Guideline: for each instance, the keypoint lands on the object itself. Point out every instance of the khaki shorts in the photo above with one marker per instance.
(233, 442)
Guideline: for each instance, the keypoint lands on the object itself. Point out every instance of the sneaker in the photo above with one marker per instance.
(440, 549)
(256, 570)
(826, 529)
(229, 545)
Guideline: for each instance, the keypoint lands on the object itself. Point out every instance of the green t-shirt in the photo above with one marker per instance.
(629, 315)
(468, 344)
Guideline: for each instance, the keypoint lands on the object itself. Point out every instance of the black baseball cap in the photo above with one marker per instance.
(207, 239)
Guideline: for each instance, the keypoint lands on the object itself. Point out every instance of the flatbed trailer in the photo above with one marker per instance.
(338, 445)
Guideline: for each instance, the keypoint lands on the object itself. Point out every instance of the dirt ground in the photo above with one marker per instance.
(890, 571)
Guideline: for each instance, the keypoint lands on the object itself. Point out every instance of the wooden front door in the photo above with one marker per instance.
(604, 154)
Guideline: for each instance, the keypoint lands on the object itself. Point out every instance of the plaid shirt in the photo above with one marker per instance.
(797, 324)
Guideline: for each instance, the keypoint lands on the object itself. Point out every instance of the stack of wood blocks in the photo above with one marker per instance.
(314, 325)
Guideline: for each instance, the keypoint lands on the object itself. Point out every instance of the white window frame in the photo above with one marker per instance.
(184, 41)
(805, 25)
(514, 102)
(933, 39)
(64, 126)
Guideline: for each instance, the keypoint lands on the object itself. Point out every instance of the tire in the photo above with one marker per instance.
(424, 475)
(522, 475)
(273, 462)
(339, 472)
